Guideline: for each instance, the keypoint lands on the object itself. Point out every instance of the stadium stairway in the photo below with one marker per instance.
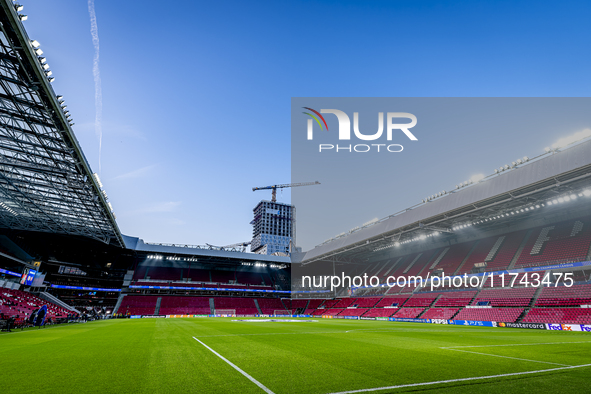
(256, 303)
(285, 306)
(520, 249)
(523, 315)
(118, 304)
(211, 306)
(467, 257)
(533, 301)
(430, 306)
(54, 300)
(158, 302)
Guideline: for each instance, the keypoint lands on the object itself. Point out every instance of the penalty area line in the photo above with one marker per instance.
(459, 380)
(512, 358)
(262, 386)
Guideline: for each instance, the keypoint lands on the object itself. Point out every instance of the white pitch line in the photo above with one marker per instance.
(459, 380)
(518, 344)
(512, 358)
(263, 387)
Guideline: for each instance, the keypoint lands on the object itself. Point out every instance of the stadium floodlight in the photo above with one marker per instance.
(48, 72)
(554, 201)
(51, 79)
(38, 51)
(18, 7)
(45, 66)
(525, 158)
(513, 164)
(23, 17)
(587, 192)
(35, 43)
(507, 166)
(59, 97)
(573, 196)
(547, 149)
(42, 60)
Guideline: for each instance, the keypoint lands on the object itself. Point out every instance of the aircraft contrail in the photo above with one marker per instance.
(98, 94)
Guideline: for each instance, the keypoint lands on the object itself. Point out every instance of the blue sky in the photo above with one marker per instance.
(196, 95)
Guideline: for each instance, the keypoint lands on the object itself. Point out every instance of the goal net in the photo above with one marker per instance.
(225, 312)
(282, 312)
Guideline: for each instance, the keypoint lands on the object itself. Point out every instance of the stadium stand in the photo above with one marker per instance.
(505, 297)
(439, 313)
(380, 312)
(138, 305)
(181, 305)
(17, 302)
(455, 298)
(421, 299)
(507, 315)
(270, 305)
(559, 315)
(564, 241)
(565, 296)
(409, 312)
(354, 312)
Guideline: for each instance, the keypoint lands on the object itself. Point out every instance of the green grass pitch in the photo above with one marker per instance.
(324, 356)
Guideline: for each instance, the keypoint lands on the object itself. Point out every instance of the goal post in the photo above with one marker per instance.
(225, 312)
(282, 312)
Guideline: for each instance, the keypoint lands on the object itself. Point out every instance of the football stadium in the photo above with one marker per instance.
(482, 288)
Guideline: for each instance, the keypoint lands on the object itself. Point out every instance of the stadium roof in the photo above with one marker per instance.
(527, 185)
(196, 251)
(46, 184)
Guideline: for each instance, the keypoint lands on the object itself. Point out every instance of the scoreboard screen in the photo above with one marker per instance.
(28, 276)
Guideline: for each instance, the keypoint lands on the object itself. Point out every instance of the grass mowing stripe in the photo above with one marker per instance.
(236, 368)
(459, 380)
(272, 333)
(512, 358)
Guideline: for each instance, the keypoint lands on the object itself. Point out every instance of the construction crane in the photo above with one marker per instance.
(275, 187)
